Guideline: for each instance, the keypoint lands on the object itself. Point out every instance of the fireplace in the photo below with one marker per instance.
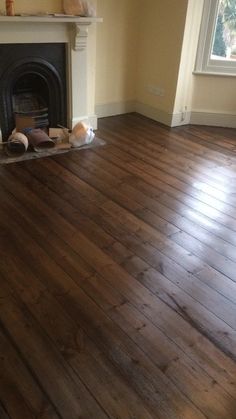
(52, 58)
(29, 74)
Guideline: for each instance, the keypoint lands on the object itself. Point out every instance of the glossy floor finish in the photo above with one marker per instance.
(118, 277)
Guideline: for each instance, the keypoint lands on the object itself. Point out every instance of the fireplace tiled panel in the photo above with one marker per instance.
(47, 62)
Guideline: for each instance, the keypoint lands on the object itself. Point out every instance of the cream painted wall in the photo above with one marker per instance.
(214, 94)
(135, 48)
(140, 44)
(31, 6)
(117, 49)
(160, 42)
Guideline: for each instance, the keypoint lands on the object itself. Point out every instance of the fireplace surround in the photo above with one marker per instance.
(72, 80)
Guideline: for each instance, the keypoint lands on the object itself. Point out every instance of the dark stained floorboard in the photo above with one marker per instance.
(118, 277)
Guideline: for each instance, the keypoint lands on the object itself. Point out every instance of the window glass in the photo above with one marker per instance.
(224, 44)
(216, 52)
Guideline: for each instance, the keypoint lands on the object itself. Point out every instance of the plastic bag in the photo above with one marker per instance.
(81, 134)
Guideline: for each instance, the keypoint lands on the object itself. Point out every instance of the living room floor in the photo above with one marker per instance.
(118, 277)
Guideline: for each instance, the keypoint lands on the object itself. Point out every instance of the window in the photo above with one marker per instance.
(217, 41)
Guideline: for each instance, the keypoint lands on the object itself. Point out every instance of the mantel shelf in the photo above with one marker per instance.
(50, 19)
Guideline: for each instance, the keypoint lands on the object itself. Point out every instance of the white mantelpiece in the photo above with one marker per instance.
(80, 36)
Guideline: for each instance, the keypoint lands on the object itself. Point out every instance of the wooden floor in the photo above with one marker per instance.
(118, 277)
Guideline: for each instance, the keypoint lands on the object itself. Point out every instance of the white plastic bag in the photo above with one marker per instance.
(81, 134)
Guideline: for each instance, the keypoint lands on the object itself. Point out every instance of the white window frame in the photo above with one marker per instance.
(204, 62)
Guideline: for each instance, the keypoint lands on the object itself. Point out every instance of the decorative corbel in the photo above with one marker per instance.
(81, 37)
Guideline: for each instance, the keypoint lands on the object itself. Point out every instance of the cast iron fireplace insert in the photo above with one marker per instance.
(38, 69)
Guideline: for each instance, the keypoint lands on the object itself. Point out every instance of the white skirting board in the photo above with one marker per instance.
(171, 120)
(114, 108)
(213, 119)
(153, 113)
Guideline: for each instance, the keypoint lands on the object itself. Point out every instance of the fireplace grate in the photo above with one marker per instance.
(30, 105)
